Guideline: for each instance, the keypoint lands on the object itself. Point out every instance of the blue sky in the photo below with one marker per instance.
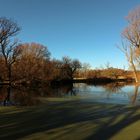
(85, 29)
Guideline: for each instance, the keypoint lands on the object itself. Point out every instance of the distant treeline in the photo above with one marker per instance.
(32, 64)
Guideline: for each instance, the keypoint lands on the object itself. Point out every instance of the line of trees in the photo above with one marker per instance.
(29, 62)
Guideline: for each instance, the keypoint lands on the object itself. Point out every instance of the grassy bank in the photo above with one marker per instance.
(66, 120)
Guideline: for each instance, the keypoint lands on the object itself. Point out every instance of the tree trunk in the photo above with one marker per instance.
(9, 74)
(135, 72)
(133, 65)
(134, 97)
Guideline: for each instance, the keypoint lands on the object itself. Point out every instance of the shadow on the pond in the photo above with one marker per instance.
(49, 118)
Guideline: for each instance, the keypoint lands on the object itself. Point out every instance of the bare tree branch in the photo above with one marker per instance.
(8, 29)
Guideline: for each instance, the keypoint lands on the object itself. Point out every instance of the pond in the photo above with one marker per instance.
(116, 93)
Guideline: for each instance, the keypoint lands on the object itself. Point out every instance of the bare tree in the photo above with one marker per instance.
(34, 50)
(130, 54)
(69, 67)
(83, 73)
(132, 31)
(8, 29)
(131, 37)
(33, 62)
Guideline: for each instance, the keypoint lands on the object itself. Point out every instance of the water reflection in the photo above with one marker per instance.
(117, 93)
(27, 96)
(7, 100)
(114, 87)
(16, 96)
(5, 96)
(134, 97)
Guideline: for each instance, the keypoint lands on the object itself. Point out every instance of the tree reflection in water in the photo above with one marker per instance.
(134, 96)
(23, 96)
(7, 97)
(114, 87)
(27, 96)
(15, 96)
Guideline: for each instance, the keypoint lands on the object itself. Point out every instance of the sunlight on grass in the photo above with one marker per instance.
(131, 132)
